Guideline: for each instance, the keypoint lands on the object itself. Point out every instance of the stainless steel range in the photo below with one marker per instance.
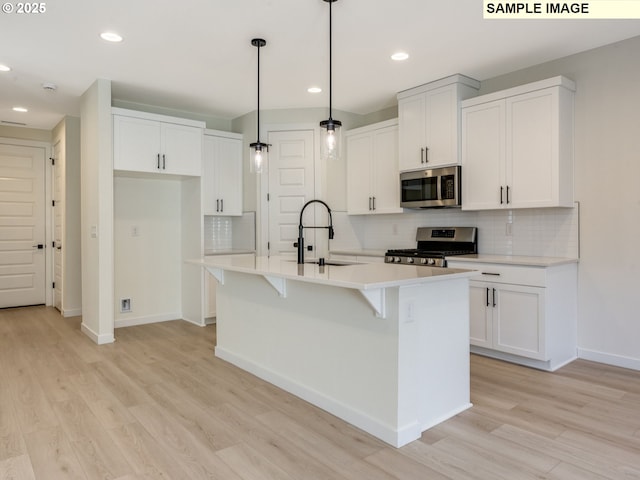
(434, 244)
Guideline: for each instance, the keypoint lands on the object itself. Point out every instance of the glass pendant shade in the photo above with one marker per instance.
(259, 157)
(331, 141)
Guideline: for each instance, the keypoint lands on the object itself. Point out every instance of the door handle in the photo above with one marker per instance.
(222, 204)
(374, 202)
(507, 194)
(426, 154)
(501, 192)
(164, 161)
(39, 246)
(487, 289)
(217, 205)
(422, 155)
(158, 161)
(494, 297)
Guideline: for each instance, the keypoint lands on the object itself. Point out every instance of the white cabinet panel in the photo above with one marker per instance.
(429, 118)
(373, 185)
(222, 174)
(517, 147)
(149, 143)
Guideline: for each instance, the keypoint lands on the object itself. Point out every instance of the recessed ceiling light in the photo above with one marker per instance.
(4, 68)
(314, 89)
(399, 56)
(111, 37)
(20, 109)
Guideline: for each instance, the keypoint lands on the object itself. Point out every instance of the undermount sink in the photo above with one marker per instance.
(332, 263)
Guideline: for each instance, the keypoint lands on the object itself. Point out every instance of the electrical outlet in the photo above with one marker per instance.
(125, 305)
(509, 229)
(135, 231)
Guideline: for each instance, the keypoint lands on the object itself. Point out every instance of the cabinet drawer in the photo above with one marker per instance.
(497, 273)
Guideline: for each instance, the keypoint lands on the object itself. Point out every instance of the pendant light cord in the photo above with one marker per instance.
(330, 61)
(258, 93)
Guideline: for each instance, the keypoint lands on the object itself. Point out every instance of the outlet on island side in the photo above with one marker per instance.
(125, 305)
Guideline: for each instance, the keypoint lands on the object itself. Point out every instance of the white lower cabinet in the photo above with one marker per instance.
(524, 314)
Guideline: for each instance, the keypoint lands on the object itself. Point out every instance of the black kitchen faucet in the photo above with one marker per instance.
(300, 243)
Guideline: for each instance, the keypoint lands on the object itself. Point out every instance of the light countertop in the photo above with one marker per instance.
(228, 252)
(358, 253)
(362, 276)
(512, 260)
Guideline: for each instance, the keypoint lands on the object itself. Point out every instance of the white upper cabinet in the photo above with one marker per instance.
(517, 147)
(222, 174)
(151, 143)
(429, 119)
(373, 184)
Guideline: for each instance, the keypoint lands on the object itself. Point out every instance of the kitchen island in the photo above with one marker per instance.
(384, 347)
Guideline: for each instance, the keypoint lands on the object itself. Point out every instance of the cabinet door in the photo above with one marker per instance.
(483, 156)
(136, 144)
(386, 179)
(480, 314)
(532, 146)
(181, 149)
(228, 173)
(412, 128)
(359, 173)
(519, 319)
(441, 112)
(222, 176)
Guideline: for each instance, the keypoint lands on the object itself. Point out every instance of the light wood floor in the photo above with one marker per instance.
(158, 405)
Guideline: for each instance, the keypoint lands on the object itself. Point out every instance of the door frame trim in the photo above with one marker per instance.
(48, 210)
(262, 185)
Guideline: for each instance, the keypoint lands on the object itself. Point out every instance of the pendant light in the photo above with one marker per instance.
(259, 151)
(330, 127)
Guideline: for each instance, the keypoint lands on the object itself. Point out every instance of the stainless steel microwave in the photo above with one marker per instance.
(434, 188)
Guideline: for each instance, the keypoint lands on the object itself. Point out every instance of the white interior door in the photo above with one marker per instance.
(22, 225)
(58, 227)
(291, 185)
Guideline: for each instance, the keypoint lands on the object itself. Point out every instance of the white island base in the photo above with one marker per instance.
(393, 377)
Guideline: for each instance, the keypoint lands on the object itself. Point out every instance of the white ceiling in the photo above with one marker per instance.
(197, 56)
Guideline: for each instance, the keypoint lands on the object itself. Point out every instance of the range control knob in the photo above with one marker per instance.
(423, 261)
(430, 261)
(409, 260)
(397, 259)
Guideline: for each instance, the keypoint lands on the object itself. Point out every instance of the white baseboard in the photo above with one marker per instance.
(72, 312)
(99, 339)
(387, 433)
(609, 359)
(133, 321)
(195, 322)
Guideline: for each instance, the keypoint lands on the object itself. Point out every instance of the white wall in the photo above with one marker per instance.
(96, 232)
(147, 260)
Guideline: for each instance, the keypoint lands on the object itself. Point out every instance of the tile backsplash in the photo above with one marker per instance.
(550, 232)
(230, 233)
(544, 232)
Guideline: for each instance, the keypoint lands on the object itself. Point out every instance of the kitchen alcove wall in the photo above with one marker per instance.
(157, 225)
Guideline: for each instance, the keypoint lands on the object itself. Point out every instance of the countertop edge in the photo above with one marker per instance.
(314, 271)
(513, 260)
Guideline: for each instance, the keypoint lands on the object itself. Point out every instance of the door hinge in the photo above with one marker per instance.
(53, 203)
(268, 245)
(53, 244)
(268, 197)
(53, 285)
(53, 160)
